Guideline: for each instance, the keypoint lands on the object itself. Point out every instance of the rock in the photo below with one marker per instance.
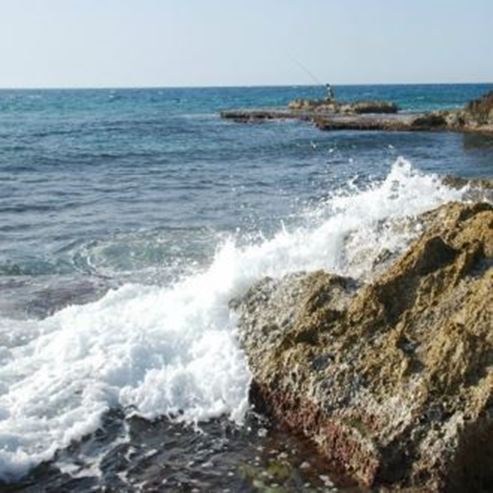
(389, 123)
(361, 107)
(454, 119)
(431, 120)
(476, 117)
(481, 110)
(393, 379)
(478, 189)
(347, 108)
(460, 182)
(260, 115)
(311, 105)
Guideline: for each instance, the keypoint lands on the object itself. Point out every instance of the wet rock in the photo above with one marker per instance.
(483, 184)
(393, 379)
(430, 121)
(475, 189)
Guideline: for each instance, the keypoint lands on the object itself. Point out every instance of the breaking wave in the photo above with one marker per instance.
(172, 351)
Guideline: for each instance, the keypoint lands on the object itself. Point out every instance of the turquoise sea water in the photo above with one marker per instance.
(90, 177)
(129, 218)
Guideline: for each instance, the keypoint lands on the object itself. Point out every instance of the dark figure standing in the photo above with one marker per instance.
(330, 96)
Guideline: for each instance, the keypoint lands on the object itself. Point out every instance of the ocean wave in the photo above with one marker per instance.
(172, 351)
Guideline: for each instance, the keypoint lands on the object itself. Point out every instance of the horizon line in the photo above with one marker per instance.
(227, 86)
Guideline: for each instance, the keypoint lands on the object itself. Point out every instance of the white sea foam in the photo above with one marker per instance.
(172, 351)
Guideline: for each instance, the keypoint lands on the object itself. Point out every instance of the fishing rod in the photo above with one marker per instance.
(307, 71)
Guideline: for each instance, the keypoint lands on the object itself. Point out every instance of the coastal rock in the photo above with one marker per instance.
(362, 107)
(392, 379)
(475, 117)
(478, 189)
(481, 110)
(428, 121)
(345, 108)
(311, 105)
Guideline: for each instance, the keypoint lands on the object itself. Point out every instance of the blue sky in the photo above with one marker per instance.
(113, 43)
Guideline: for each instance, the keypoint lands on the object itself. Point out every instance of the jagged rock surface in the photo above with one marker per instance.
(392, 379)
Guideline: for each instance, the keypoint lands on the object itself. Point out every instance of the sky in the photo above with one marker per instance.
(140, 43)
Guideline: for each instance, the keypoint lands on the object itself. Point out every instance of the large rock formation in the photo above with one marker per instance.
(393, 379)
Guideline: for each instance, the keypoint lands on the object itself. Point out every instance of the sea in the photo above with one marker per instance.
(130, 218)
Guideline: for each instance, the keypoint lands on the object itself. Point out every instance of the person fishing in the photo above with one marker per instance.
(330, 96)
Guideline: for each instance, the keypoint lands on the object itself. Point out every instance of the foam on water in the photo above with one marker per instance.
(172, 351)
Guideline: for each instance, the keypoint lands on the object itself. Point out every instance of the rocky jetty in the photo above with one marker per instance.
(391, 378)
(476, 116)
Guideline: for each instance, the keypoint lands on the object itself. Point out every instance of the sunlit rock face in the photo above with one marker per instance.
(393, 377)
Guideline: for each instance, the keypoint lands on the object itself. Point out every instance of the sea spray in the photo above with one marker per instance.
(171, 351)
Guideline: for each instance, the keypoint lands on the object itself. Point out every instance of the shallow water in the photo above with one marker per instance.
(162, 456)
(129, 220)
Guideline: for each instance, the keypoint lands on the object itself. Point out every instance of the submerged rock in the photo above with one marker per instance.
(393, 379)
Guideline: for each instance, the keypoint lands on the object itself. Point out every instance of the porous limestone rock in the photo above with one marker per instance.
(392, 379)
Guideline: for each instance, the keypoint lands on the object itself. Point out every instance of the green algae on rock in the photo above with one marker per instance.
(392, 379)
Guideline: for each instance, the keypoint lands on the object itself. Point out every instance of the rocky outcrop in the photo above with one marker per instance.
(476, 116)
(429, 121)
(392, 379)
(310, 105)
(390, 123)
(374, 107)
(346, 108)
(262, 115)
(480, 110)
(477, 189)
